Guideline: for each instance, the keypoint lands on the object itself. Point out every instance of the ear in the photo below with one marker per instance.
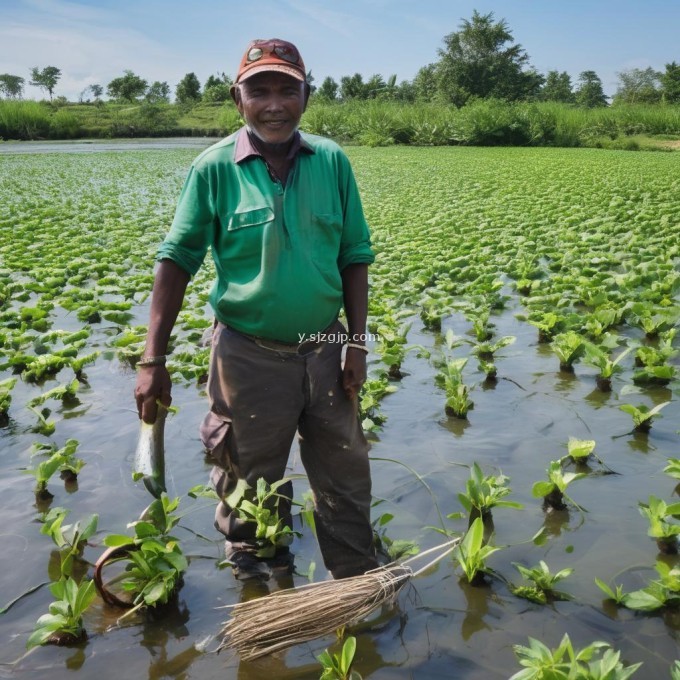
(235, 92)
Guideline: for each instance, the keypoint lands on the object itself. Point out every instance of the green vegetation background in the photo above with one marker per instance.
(484, 122)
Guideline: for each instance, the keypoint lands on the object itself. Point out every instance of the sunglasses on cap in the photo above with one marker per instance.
(286, 52)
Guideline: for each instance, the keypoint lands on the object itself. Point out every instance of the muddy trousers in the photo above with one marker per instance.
(259, 399)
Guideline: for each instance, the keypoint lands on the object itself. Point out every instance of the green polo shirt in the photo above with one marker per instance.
(278, 251)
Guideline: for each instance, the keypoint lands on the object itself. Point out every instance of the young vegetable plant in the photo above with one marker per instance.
(392, 349)
(483, 493)
(580, 451)
(63, 625)
(45, 427)
(655, 375)
(599, 358)
(154, 560)
(70, 538)
(548, 325)
(543, 583)
(65, 393)
(659, 593)
(569, 348)
(70, 466)
(658, 514)
(270, 531)
(597, 661)
(553, 491)
(372, 393)
(6, 387)
(643, 415)
(450, 377)
(395, 549)
(486, 350)
(471, 554)
(338, 666)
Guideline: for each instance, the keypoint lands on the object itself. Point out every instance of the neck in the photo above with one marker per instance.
(270, 150)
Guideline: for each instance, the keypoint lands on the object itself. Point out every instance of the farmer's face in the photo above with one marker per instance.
(272, 104)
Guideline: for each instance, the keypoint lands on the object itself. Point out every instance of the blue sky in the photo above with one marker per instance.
(95, 41)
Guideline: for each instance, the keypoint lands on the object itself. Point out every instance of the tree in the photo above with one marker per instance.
(216, 88)
(638, 86)
(352, 87)
(589, 92)
(425, 84)
(128, 87)
(670, 83)
(374, 86)
(481, 60)
(97, 91)
(11, 86)
(328, 91)
(46, 79)
(309, 78)
(557, 88)
(158, 92)
(188, 90)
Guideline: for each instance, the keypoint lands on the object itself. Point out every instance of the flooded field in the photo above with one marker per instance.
(473, 246)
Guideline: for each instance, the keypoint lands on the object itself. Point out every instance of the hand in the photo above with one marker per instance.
(153, 383)
(354, 372)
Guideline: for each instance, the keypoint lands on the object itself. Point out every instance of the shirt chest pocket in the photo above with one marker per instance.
(327, 231)
(245, 232)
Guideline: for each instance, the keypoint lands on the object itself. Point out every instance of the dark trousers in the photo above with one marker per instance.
(259, 398)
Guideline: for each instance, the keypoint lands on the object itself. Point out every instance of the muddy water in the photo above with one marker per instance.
(440, 627)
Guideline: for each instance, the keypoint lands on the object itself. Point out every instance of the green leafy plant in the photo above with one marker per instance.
(69, 538)
(154, 560)
(450, 377)
(44, 426)
(599, 358)
(580, 451)
(338, 666)
(270, 531)
(394, 549)
(64, 623)
(655, 375)
(370, 397)
(6, 387)
(597, 661)
(657, 594)
(569, 348)
(643, 415)
(548, 324)
(471, 553)
(486, 350)
(62, 392)
(485, 492)
(543, 583)
(672, 468)
(553, 491)
(658, 513)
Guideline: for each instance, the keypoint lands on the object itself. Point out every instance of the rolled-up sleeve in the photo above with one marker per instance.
(355, 245)
(192, 228)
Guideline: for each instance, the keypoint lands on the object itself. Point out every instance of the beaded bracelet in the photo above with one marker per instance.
(354, 345)
(152, 361)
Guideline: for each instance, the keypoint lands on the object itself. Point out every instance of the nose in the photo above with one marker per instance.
(275, 103)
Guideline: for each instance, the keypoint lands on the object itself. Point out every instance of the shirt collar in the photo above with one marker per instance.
(245, 149)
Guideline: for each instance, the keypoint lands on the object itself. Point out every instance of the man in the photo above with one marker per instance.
(283, 218)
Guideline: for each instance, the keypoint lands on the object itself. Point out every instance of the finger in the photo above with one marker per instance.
(149, 410)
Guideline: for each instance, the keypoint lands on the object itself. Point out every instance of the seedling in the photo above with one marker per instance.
(395, 549)
(543, 582)
(64, 393)
(548, 325)
(450, 377)
(487, 349)
(471, 554)
(597, 661)
(155, 562)
(483, 493)
(369, 402)
(655, 375)
(70, 539)
(672, 469)
(270, 531)
(63, 625)
(599, 358)
(658, 514)
(338, 666)
(643, 415)
(579, 451)
(659, 593)
(553, 491)
(569, 348)
(481, 326)
(6, 387)
(44, 426)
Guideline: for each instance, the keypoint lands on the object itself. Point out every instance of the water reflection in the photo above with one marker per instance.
(477, 607)
(555, 521)
(456, 425)
(597, 398)
(639, 441)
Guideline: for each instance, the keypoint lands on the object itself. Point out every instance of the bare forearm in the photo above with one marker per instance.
(168, 293)
(355, 294)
